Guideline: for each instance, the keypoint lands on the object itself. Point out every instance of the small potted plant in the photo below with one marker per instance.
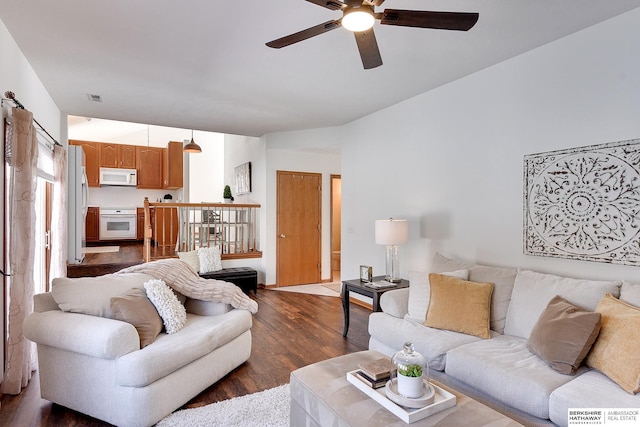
(409, 369)
(226, 194)
(410, 381)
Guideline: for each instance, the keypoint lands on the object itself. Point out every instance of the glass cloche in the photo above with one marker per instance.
(411, 372)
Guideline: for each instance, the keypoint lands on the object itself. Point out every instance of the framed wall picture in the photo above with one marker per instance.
(243, 178)
(366, 273)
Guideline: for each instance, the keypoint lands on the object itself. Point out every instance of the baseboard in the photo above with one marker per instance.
(361, 303)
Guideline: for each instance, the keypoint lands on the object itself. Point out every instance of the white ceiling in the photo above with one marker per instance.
(204, 65)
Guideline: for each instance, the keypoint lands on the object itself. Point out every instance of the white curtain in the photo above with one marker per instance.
(22, 157)
(59, 215)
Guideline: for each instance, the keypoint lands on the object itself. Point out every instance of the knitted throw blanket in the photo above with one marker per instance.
(179, 276)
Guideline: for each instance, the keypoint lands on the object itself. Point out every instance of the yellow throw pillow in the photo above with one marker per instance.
(459, 305)
(615, 352)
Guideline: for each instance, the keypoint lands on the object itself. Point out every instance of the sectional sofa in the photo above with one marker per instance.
(531, 345)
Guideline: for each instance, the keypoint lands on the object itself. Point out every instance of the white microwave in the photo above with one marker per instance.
(115, 176)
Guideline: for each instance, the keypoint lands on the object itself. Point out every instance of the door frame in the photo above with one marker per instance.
(332, 219)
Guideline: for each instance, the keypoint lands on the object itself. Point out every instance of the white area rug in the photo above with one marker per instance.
(269, 408)
(100, 249)
(315, 289)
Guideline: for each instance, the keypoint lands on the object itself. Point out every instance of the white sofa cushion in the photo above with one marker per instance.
(630, 292)
(396, 302)
(432, 343)
(206, 308)
(504, 369)
(199, 337)
(590, 390)
(502, 278)
(441, 263)
(92, 295)
(191, 258)
(420, 291)
(532, 292)
(81, 333)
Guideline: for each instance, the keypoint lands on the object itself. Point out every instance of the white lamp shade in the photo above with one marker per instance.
(392, 231)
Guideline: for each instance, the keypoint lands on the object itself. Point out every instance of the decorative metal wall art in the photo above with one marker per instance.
(584, 203)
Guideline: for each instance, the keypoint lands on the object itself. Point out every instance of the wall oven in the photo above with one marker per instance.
(117, 223)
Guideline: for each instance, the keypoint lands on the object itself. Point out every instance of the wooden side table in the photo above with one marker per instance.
(358, 287)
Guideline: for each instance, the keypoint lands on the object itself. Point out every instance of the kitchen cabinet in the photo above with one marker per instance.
(117, 156)
(92, 160)
(92, 224)
(172, 166)
(149, 162)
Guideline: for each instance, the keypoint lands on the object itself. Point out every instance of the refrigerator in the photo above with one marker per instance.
(77, 203)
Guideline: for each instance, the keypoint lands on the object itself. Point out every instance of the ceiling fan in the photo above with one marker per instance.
(359, 16)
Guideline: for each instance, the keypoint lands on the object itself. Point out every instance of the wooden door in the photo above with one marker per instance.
(298, 230)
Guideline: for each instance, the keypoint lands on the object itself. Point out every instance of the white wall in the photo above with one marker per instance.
(301, 151)
(239, 150)
(451, 160)
(206, 169)
(17, 75)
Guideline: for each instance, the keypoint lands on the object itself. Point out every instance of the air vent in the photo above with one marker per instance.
(94, 97)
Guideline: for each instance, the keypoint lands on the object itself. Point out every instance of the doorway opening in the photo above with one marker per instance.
(336, 226)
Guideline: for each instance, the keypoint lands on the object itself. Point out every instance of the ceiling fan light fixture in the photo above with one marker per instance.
(358, 19)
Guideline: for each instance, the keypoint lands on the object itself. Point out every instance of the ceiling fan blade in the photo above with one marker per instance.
(460, 21)
(329, 4)
(304, 34)
(368, 47)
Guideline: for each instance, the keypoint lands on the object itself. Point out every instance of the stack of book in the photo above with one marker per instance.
(375, 373)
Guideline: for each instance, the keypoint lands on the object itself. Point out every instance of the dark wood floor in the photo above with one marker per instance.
(130, 253)
(290, 330)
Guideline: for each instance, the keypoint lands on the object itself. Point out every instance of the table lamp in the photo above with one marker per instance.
(392, 232)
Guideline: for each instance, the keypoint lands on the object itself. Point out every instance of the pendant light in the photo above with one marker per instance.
(192, 147)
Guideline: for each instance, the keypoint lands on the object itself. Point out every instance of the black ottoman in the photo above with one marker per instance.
(244, 277)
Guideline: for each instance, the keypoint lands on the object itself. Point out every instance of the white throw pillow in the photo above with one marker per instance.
(630, 293)
(173, 314)
(420, 291)
(532, 292)
(209, 259)
(191, 258)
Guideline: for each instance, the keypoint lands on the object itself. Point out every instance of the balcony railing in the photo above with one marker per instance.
(170, 228)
